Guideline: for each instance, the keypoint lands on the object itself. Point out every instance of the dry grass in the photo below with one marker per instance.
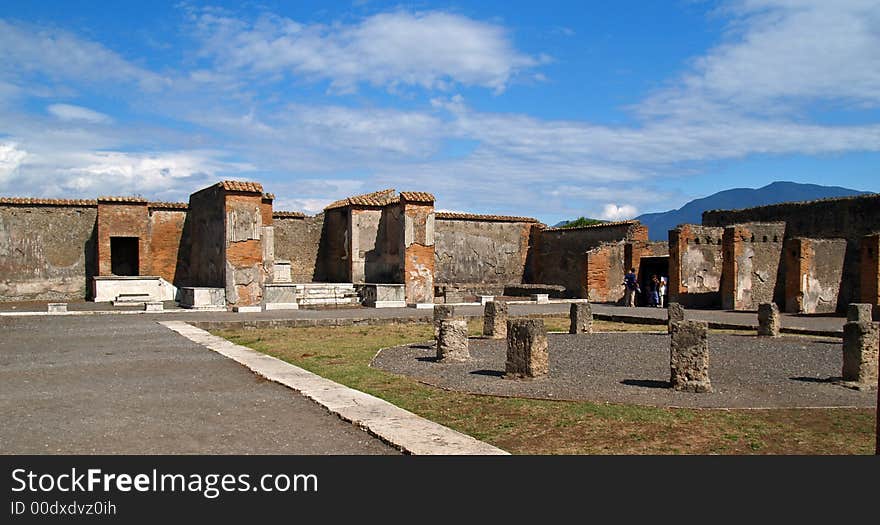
(526, 426)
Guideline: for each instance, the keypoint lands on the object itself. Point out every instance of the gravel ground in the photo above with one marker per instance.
(746, 371)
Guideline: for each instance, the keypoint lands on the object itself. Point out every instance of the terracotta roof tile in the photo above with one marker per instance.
(269, 196)
(377, 198)
(235, 185)
(30, 201)
(169, 205)
(600, 225)
(416, 196)
(446, 215)
(294, 214)
(129, 199)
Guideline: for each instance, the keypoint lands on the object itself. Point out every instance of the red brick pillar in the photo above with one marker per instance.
(869, 270)
(418, 244)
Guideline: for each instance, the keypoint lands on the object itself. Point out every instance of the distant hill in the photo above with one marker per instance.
(659, 224)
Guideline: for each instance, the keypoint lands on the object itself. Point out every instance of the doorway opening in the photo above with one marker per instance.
(649, 267)
(124, 252)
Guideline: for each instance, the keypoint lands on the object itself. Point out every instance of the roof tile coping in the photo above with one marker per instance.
(377, 198)
(243, 186)
(122, 199)
(592, 226)
(168, 205)
(290, 214)
(417, 196)
(32, 201)
(458, 216)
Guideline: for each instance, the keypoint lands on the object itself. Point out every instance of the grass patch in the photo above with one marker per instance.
(526, 426)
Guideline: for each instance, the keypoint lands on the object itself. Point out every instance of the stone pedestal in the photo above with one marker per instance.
(674, 314)
(485, 299)
(495, 320)
(581, 318)
(689, 356)
(768, 320)
(527, 355)
(859, 313)
(56, 308)
(202, 298)
(154, 306)
(452, 342)
(541, 298)
(860, 351)
(442, 312)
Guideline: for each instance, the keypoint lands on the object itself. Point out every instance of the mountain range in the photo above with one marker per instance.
(660, 223)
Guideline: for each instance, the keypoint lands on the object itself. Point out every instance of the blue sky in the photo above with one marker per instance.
(548, 109)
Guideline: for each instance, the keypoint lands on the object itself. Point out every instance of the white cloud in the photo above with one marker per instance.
(30, 51)
(614, 212)
(432, 50)
(68, 112)
(11, 158)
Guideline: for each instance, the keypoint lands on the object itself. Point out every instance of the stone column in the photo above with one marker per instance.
(452, 344)
(581, 317)
(674, 314)
(689, 357)
(859, 313)
(527, 355)
(495, 320)
(768, 320)
(441, 313)
(861, 344)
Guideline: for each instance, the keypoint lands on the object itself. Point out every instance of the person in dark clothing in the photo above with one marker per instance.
(654, 292)
(631, 285)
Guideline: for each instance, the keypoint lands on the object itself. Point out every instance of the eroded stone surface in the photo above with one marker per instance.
(442, 312)
(768, 320)
(861, 344)
(452, 344)
(689, 357)
(859, 313)
(527, 355)
(495, 320)
(674, 313)
(581, 318)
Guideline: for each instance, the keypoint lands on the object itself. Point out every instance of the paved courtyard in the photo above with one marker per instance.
(124, 384)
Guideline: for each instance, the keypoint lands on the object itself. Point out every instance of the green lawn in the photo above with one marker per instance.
(525, 426)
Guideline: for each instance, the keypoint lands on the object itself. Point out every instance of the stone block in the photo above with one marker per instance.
(581, 318)
(859, 313)
(153, 306)
(383, 295)
(452, 342)
(203, 298)
(541, 298)
(281, 271)
(495, 320)
(247, 309)
(442, 312)
(768, 320)
(674, 314)
(281, 306)
(527, 355)
(689, 356)
(56, 308)
(861, 345)
(483, 299)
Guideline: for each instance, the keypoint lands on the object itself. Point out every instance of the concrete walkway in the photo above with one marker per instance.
(126, 385)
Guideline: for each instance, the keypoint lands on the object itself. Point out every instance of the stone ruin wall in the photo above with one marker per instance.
(752, 269)
(695, 266)
(47, 249)
(849, 218)
(587, 260)
(298, 240)
(482, 254)
(813, 275)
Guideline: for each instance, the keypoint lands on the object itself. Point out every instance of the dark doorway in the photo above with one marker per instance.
(649, 267)
(124, 256)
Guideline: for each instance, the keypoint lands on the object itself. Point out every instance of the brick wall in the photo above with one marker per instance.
(869, 266)
(695, 266)
(123, 219)
(168, 260)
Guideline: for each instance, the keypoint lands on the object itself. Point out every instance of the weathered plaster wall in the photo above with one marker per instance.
(563, 255)
(244, 250)
(481, 252)
(752, 265)
(695, 266)
(418, 248)
(813, 275)
(334, 260)
(298, 240)
(207, 216)
(376, 240)
(849, 218)
(46, 252)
